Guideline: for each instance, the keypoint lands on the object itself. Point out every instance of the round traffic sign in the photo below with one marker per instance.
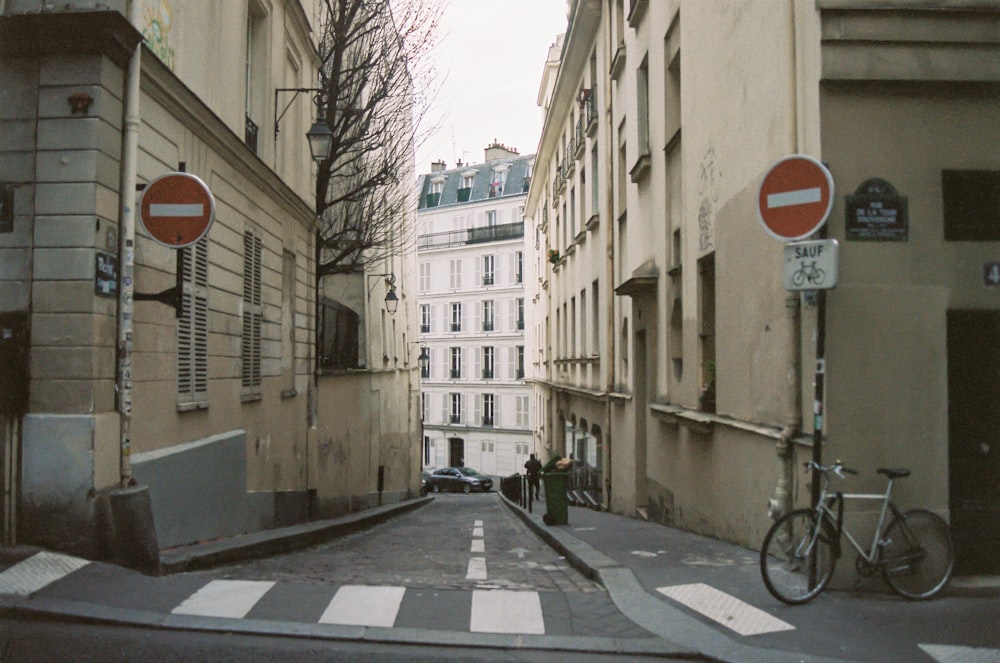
(177, 209)
(795, 198)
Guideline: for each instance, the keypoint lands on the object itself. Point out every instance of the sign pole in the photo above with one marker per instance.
(818, 399)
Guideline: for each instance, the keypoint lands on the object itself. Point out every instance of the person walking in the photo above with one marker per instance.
(532, 467)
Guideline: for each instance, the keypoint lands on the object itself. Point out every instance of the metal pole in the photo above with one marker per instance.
(817, 451)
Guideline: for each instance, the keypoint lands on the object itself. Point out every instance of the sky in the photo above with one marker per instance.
(490, 59)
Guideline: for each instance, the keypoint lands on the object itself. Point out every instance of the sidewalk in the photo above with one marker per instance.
(659, 577)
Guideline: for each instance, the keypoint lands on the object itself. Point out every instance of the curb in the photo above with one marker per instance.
(278, 540)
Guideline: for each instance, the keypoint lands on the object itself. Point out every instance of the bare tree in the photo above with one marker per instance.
(375, 72)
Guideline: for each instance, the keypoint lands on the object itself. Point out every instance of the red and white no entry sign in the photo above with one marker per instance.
(795, 198)
(177, 209)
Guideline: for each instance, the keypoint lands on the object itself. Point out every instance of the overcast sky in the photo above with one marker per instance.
(490, 59)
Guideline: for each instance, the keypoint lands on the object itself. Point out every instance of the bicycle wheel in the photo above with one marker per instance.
(796, 561)
(917, 557)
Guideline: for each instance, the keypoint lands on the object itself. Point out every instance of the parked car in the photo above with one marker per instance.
(424, 475)
(464, 479)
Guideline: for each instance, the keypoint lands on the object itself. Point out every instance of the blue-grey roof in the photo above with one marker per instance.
(518, 169)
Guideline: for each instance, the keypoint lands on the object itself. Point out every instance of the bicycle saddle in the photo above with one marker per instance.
(894, 472)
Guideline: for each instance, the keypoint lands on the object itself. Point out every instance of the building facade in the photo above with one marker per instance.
(471, 310)
(219, 411)
(668, 340)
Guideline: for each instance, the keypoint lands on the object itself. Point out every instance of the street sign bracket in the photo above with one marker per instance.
(171, 296)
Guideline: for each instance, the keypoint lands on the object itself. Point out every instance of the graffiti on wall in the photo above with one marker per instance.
(157, 22)
(708, 191)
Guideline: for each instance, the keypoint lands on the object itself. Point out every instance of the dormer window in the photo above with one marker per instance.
(434, 195)
(465, 191)
(498, 182)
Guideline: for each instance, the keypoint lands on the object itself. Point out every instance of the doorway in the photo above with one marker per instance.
(974, 439)
(456, 452)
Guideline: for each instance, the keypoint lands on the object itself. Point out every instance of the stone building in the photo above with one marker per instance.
(470, 252)
(214, 405)
(670, 343)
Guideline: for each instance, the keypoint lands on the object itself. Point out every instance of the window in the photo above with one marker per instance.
(520, 313)
(489, 355)
(488, 407)
(425, 371)
(491, 218)
(456, 273)
(456, 408)
(971, 205)
(425, 276)
(488, 315)
(428, 450)
(288, 273)
(521, 412)
(456, 317)
(642, 106)
(434, 194)
(465, 191)
(252, 314)
(338, 336)
(583, 323)
(520, 362)
(456, 363)
(498, 182)
(425, 318)
(467, 181)
(255, 66)
(519, 267)
(192, 326)
(706, 332)
(425, 408)
(488, 263)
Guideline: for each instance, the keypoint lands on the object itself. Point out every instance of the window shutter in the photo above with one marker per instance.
(478, 320)
(445, 404)
(511, 268)
(512, 318)
(477, 410)
(478, 278)
(192, 326)
(511, 363)
(477, 364)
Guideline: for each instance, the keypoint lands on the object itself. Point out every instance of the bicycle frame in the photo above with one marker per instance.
(825, 507)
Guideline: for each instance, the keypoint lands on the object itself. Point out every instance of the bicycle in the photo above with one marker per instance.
(800, 551)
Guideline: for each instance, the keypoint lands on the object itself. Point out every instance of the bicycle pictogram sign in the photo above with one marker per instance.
(811, 265)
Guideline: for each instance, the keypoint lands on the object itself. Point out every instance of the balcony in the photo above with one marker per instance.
(250, 135)
(471, 236)
(487, 326)
(487, 421)
(456, 374)
(487, 279)
(487, 373)
(592, 112)
(456, 326)
(455, 419)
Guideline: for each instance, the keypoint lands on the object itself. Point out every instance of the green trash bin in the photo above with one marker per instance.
(557, 512)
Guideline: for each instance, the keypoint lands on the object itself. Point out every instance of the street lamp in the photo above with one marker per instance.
(391, 300)
(424, 360)
(320, 141)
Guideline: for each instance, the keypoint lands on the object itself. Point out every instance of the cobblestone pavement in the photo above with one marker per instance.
(429, 548)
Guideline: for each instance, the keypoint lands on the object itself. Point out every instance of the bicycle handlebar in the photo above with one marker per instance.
(837, 468)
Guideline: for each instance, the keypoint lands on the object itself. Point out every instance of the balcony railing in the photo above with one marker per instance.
(487, 421)
(425, 329)
(455, 374)
(487, 279)
(519, 374)
(520, 325)
(250, 135)
(471, 236)
(488, 326)
(456, 326)
(456, 419)
(487, 373)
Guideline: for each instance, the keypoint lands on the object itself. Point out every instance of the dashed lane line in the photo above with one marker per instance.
(477, 569)
(725, 609)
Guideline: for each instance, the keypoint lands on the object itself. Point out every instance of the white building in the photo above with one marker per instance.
(471, 275)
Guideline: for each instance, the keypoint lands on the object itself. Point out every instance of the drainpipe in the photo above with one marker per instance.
(126, 239)
(782, 501)
(609, 232)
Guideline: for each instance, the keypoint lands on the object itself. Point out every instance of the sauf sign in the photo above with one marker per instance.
(794, 201)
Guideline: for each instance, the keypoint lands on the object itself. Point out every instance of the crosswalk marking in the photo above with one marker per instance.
(477, 569)
(364, 605)
(478, 546)
(957, 654)
(39, 570)
(224, 598)
(477, 532)
(506, 611)
(725, 609)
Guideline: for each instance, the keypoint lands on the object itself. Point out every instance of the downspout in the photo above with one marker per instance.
(126, 239)
(783, 498)
(609, 233)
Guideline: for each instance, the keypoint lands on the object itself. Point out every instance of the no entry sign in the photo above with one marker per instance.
(795, 198)
(177, 209)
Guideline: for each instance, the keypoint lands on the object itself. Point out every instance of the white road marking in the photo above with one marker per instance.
(799, 197)
(39, 570)
(477, 531)
(167, 209)
(478, 546)
(478, 523)
(956, 654)
(477, 569)
(505, 611)
(643, 553)
(364, 605)
(224, 598)
(725, 609)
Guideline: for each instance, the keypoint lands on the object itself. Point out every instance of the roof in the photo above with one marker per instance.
(484, 182)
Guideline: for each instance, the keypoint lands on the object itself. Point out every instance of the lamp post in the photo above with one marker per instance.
(320, 141)
(391, 299)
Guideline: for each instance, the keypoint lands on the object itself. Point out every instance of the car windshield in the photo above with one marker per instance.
(469, 472)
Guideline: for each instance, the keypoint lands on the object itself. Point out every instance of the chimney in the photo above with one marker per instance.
(499, 151)
(437, 166)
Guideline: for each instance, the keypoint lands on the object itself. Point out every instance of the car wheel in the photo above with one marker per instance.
(466, 488)
(436, 488)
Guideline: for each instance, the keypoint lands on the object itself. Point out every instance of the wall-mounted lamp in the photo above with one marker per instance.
(319, 135)
(391, 300)
(424, 360)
